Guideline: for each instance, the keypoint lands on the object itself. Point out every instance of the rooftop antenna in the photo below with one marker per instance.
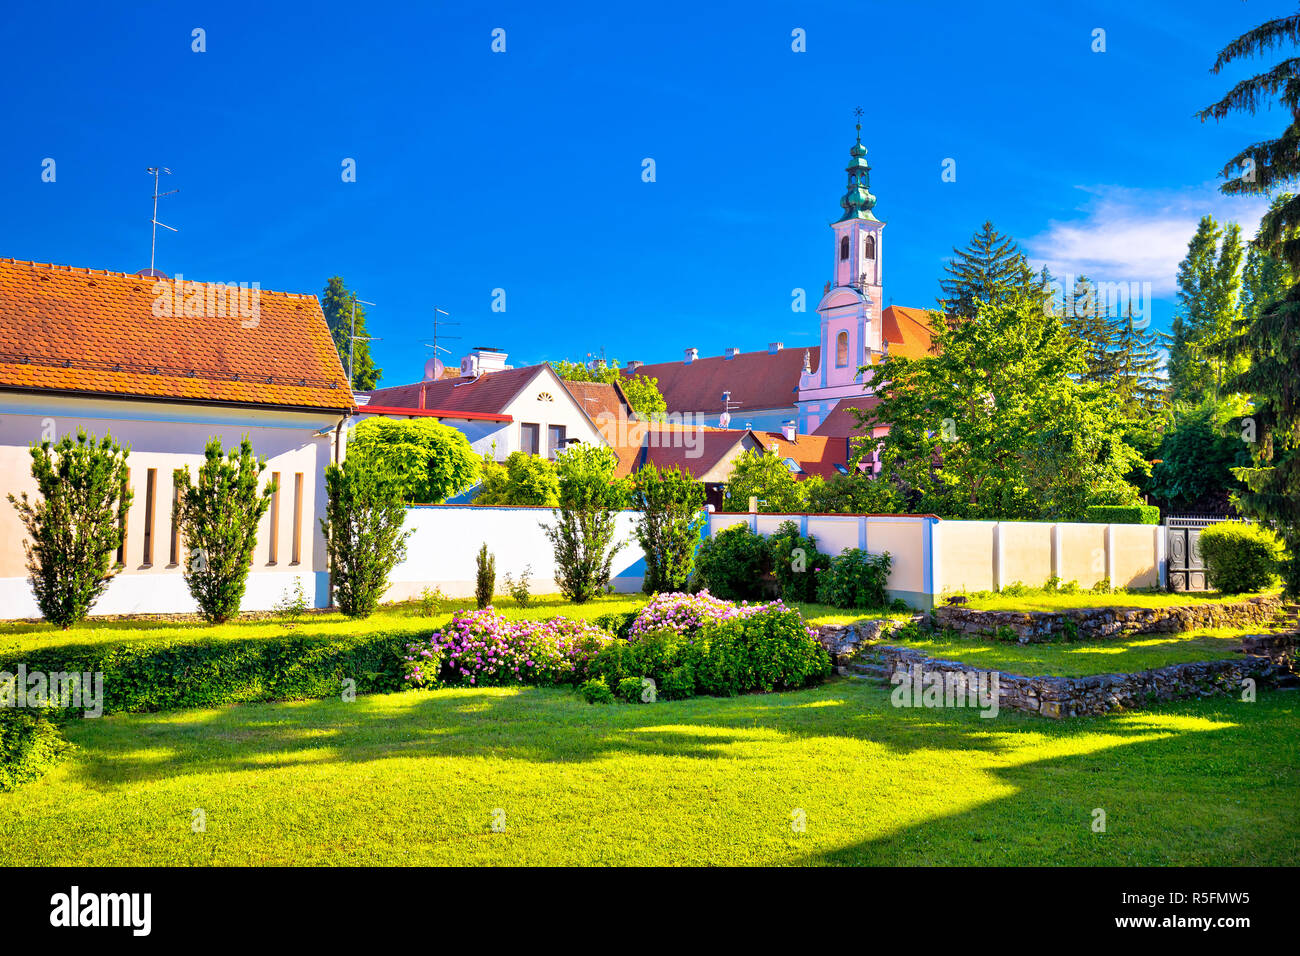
(153, 245)
(724, 420)
(439, 323)
(352, 340)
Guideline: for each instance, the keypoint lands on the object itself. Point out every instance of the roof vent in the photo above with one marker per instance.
(730, 353)
(774, 347)
(788, 431)
(692, 355)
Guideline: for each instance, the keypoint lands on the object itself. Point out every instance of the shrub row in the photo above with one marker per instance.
(1122, 514)
(768, 648)
(145, 676)
(735, 564)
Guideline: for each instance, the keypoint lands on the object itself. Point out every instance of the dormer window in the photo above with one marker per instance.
(842, 350)
(869, 247)
(844, 248)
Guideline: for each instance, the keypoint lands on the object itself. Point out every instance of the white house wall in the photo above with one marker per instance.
(166, 436)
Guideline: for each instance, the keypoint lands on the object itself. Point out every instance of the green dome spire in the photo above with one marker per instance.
(858, 202)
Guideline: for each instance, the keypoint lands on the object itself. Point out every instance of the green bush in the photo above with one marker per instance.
(1122, 514)
(364, 536)
(669, 527)
(855, 579)
(30, 743)
(795, 562)
(596, 691)
(167, 674)
(485, 577)
(765, 651)
(629, 689)
(1240, 557)
(427, 461)
(731, 563)
(74, 526)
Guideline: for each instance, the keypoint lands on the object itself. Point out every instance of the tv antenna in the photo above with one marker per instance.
(437, 335)
(724, 420)
(153, 245)
(352, 340)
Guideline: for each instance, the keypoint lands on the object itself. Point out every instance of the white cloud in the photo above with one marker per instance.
(1136, 235)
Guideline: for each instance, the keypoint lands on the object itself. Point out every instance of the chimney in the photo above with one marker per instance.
(730, 353)
(692, 355)
(774, 347)
(788, 431)
(634, 365)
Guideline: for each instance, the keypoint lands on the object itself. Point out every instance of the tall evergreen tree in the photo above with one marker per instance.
(1270, 340)
(1265, 278)
(336, 302)
(990, 269)
(1209, 302)
(1087, 318)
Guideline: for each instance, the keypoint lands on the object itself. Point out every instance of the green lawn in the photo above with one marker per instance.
(1056, 601)
(415, 778)
(1061, 659)
(409, 618)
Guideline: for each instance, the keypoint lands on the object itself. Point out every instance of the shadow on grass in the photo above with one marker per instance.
(548, 725)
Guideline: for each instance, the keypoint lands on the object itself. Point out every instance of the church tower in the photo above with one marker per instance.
(851, 334)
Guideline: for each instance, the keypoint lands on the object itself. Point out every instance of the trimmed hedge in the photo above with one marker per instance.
(1122, 514)
(30, 743)
(1239, 557)
(145, 676)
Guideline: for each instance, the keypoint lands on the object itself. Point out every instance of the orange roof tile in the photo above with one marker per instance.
(815, 454)
(93, 331)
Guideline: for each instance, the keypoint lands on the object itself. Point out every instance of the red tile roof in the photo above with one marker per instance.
(597, 398)
(398, 412)
(815, 454)
(755, 379)
(841, 422)
(491, 392)
(761, 380)
(92, 331)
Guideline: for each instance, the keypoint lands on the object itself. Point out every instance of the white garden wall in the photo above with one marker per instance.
(445, 540)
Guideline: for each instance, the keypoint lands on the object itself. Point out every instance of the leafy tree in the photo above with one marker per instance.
(524, 479)
(853, 494)
(336, 302)
(999, 424)
(1200, 447)
(1266, 347)
(760, 473)
(583, 535)
(75, 525)
(1265, 278)
(364, 515)
(642, 391)
(989, 269)
(217, 516)
(428, 461)
(669, 528)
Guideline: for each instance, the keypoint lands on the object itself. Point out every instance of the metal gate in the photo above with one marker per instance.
(1186, 569)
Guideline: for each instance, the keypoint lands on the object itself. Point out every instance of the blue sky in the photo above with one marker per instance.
(522, 170)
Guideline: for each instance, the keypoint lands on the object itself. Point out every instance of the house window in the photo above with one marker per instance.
(554, 440)
(842, 350)
(150, 489)
(122, 514)
(869, 247)
(174, 557)
(844, 248)
(530, 434)
(273, 552)
(297, 518)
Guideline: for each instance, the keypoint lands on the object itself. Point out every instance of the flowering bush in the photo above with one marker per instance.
(688, 646)
(483, 649)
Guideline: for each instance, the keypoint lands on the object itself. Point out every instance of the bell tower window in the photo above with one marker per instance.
(844, 248)
(842, 350)
(869, 247)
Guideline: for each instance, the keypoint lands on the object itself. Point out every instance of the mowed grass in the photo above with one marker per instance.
(420, 778)
(1081, 659)
(17, 638)
(407, 618)
(1057, 601)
